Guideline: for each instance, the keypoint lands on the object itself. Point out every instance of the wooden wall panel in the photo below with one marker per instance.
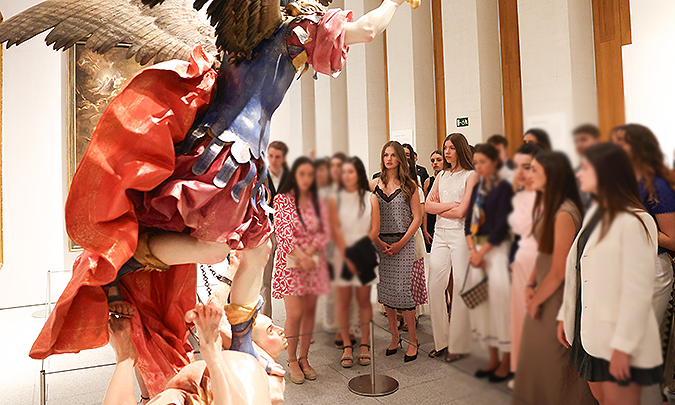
(439, 71)
(512, 89)
(611, 30)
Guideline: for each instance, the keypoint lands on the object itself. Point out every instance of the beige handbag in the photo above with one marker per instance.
(420, 247)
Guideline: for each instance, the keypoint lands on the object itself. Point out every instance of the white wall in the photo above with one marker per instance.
(648, 63)
(33, 168)
(472, 68)
(557, 64)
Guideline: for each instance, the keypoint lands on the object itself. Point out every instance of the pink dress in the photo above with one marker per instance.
(520, 221)
(291, 233)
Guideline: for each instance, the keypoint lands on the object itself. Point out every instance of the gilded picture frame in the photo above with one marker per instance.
(93, 81)
(2, 256)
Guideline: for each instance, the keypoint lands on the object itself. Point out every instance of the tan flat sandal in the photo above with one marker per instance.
(310, 373)
(296, 378)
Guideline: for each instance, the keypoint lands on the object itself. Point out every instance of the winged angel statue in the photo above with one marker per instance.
(175, 171)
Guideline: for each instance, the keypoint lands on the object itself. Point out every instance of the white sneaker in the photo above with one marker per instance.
(511, 384)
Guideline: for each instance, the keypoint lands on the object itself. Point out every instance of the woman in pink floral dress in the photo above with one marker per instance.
(300, 271)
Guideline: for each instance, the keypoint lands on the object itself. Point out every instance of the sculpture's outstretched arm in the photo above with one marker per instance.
(372, 24)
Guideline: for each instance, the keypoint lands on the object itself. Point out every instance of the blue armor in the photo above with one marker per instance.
(248, 92)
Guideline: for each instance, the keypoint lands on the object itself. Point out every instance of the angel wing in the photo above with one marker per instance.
(168, 31)
(240, 24)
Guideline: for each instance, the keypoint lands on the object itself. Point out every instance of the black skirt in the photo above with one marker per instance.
(591, 368)
(594, 369)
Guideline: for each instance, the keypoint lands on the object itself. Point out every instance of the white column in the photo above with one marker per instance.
(557, 62)
(424, 83)
(400, 68)
(648, 62)
(324, 116)
(365, 88)
(472, 68)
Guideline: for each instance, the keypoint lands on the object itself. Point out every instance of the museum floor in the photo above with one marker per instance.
(424, 381)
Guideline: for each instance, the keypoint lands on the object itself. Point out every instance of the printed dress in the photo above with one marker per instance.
(395, 287)
(292, 233)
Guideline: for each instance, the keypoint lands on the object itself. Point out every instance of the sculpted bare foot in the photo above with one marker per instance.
(116, 304)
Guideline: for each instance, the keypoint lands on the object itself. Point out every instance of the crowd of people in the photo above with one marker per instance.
(564, 274)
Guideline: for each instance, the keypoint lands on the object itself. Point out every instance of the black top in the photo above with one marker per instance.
(431, 218)
(496, 207)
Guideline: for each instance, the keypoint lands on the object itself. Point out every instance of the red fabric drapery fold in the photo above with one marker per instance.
(131, 151)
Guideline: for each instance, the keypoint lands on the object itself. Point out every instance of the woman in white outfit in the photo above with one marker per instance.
(354, 214)
(449, 200)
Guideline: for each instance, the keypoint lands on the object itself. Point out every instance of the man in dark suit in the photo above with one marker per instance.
(276, 176)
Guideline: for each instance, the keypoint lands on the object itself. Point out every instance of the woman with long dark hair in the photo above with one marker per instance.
(526, 249)
(354, 215)
(301, 272)
(657, 190)
(400, 217)
(449, 199)
(544, 374)
(487, 235)
(607, 314)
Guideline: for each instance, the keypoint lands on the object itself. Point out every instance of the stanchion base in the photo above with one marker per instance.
(43, 313)
(362, 385)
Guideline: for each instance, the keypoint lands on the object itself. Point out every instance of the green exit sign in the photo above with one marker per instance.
(462, 122)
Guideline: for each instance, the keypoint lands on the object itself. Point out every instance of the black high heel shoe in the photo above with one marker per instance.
(393, 351)
(407, 359)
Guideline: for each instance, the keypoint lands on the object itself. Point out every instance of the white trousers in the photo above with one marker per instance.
(492, 319)
(449, 257)
(663, 286)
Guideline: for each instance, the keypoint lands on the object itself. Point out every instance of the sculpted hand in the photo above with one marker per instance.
(207, 319)
(119, 329)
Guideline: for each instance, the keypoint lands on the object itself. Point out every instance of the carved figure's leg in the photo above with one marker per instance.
(245, 301)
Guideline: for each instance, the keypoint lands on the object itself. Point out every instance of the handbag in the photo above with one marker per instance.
(420, 246)
(478, 294)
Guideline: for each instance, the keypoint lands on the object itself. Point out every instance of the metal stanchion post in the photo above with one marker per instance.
(44, 313)
(373, 385)
(43, 386)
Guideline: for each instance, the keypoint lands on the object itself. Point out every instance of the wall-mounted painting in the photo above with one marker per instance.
(93, 81)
